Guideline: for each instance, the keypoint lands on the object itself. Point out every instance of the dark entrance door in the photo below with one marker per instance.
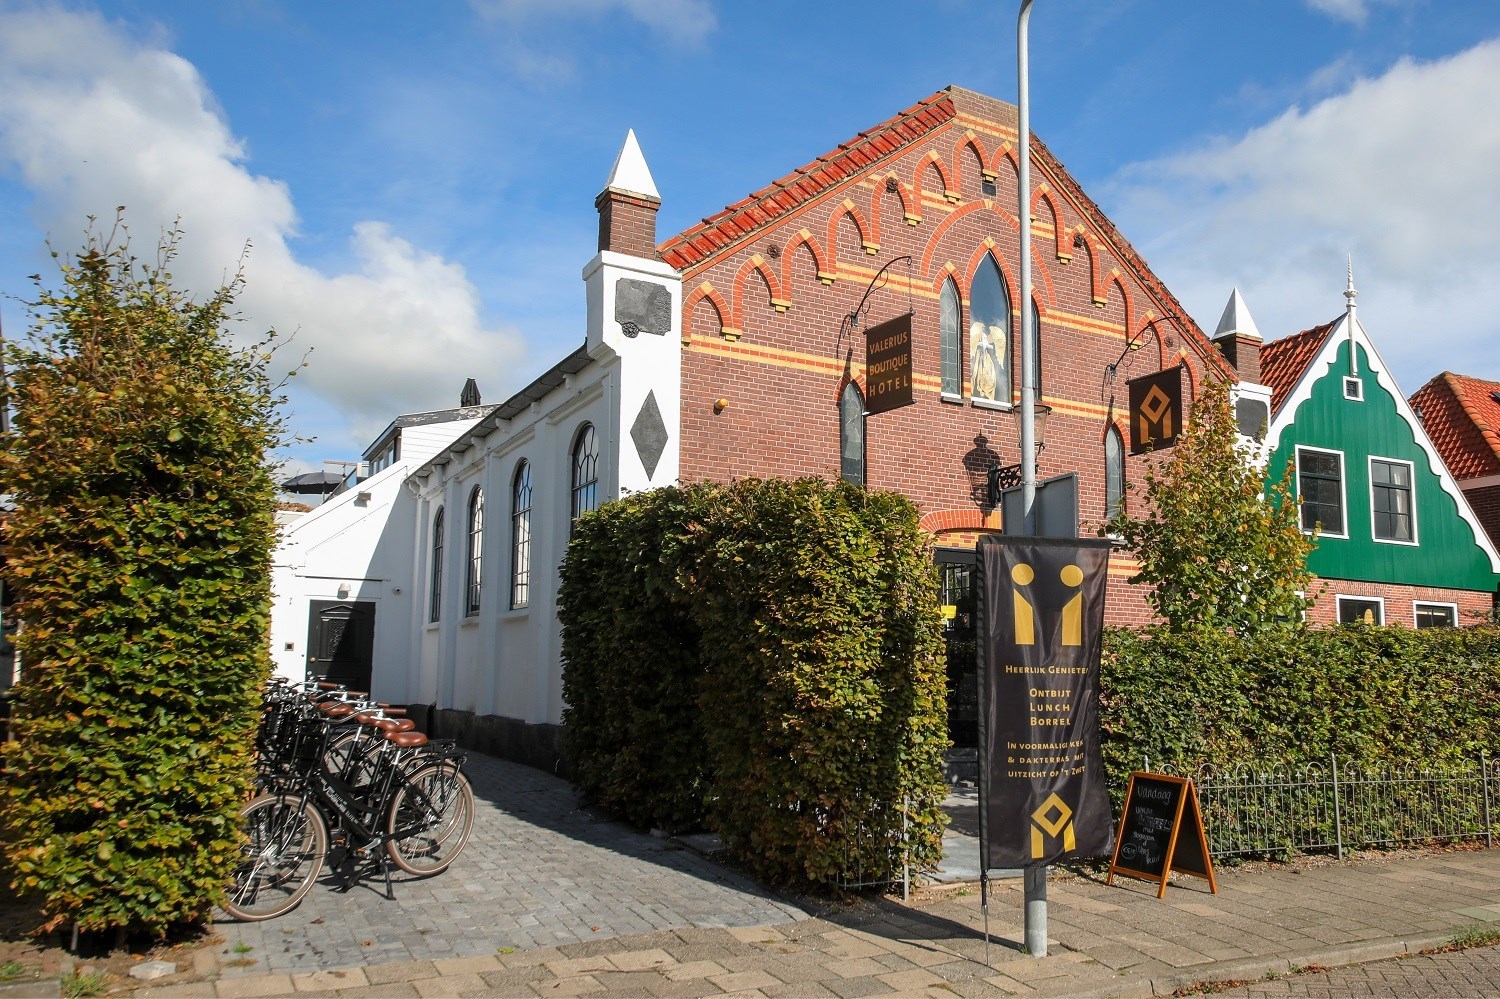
(956, 597)
(341, 641)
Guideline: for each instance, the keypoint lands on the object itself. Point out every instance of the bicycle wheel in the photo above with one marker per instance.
(429, 819)
(285, 842)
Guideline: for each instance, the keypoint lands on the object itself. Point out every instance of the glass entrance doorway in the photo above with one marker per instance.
(957, 599)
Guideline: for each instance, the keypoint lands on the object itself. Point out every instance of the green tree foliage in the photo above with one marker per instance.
(774, 669)
(140, 544)
(1219, 547)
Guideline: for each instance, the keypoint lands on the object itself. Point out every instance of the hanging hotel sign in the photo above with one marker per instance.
(888, 365)
(1155, 410)
(1042, 793)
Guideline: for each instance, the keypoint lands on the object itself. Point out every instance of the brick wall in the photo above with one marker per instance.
(627, 223)
(1398, 600)
(764, 328)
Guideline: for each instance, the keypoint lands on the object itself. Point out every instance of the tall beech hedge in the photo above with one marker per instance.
(766, 657)
(1368, 694)
(140, 543)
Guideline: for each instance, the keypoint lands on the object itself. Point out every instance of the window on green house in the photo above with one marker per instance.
(1320, 484)
(1391, 500)
(1361, 610)
(1436, 615)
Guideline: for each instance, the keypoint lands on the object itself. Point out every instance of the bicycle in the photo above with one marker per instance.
(398, 798)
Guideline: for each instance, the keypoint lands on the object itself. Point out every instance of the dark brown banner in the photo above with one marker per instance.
(1155, 410)
(888, 365)
(1042, 787)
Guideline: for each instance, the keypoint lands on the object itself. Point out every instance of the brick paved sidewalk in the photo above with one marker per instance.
(537, 872)
(1117, 940)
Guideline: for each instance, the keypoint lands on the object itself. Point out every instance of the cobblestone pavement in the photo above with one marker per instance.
(537, 872)
(1104, 941)
(1464, 973)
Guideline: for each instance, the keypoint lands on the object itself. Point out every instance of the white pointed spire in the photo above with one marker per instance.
(1349, 296)
(630, 172)
(1237, 319)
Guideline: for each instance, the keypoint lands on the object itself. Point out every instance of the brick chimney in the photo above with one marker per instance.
(628, 205)
(1238, 339)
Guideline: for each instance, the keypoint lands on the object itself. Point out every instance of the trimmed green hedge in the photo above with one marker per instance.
(141, 547)
(1299, 695)
(775, 669)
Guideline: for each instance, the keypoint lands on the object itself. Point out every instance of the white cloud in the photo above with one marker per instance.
(1397, 170)
(93, 118)
(1353, 11)
(685, 22)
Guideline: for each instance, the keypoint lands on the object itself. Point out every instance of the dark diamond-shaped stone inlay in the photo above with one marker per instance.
(649, 434)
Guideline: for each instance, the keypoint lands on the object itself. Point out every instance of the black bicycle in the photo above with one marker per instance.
(391, 798)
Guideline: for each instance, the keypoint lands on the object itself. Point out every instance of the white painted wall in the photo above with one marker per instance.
(356, 546)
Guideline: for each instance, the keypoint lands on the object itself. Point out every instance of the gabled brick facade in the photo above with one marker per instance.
(768, 282)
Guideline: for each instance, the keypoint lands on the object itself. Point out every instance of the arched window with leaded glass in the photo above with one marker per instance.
(520, 536)
(950, 335)
(472, 578)
(435, 592)
(852, 434)
(585, 471)
(1114, 472)
(989, 334)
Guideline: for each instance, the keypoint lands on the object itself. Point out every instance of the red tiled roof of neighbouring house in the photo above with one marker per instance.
(1283, 362)
(1461, 415)
(851, 159)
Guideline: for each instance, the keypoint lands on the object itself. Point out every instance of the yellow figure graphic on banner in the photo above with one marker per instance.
(1156, 413)
(1062, 825)
(1022, 575)
(1072, 631)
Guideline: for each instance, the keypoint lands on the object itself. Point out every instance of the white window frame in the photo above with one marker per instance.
(1343, 488)
(1358, 395)
(1338, 609)
(1412, 489)
(1433, 603)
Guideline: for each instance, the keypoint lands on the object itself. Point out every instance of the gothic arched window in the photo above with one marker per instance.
(989, 334)
(852, 434)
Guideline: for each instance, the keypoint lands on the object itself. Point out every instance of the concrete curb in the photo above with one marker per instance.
(1364, 952)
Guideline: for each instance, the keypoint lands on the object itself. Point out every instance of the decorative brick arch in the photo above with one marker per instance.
(704, 292)
(945, 273)
(934, 161)
(756, 265)
(1116, 282)
(1064, 247)
(961, 519)
(1005, 156)
(821, 269)
(1012, 281)
(877, 202)
(861, 226)
(849, 378)
(970, 141)
(1090, 249)
(954, 217)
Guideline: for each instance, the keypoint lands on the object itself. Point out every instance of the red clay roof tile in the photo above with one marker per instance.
(1283, 362)
(1461, 415)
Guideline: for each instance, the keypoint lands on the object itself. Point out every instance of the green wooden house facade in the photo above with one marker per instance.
(1397, 541)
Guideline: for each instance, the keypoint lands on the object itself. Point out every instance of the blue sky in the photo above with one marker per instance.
(417, 180)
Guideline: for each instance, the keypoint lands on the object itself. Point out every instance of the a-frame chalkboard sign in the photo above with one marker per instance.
(1161, 831)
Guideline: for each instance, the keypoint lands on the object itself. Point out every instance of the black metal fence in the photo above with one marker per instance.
(1290, 808)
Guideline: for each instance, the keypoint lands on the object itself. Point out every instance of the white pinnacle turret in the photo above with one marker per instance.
(1237, 318)
(630, 173)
